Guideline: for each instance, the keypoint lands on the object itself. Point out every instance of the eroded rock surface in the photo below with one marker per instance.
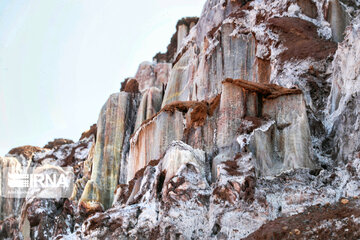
(246, 128)
(342, 108)
(8, 207)
(115, 125)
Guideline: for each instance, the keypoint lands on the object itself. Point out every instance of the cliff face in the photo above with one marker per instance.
(246, 127)
(115, 125)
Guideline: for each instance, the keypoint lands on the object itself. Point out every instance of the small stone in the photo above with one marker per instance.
(297, 231)
(344, 201)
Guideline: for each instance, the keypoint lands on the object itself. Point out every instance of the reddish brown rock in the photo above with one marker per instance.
(57, 143)
(240, 181)
(27, 151)
(308, 7)
(42, 218)
(9, 229)
(91, 132)
(87, 209)
(268, 91)
(130, 85)
(301, 39)
(323, 222)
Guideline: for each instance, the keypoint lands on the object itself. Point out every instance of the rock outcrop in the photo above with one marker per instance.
(246, 128)
(115, 125)
(9, 207)
(342, 108)
(339, 18)
(183, 28)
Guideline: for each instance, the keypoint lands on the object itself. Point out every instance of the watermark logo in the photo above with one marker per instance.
(42, 182)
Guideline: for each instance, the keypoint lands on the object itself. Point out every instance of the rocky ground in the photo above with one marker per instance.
(246, 128)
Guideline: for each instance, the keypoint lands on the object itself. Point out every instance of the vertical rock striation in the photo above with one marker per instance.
(246, 128)
(115, 125)
(342, 118)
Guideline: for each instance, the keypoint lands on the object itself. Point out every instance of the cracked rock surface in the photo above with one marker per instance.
(246, 128)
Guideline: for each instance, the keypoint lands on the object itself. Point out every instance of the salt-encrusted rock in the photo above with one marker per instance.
(145, 75)
(57, 143)
(9, 229)
(151, 140)
(343, 104)
(25, 154)
(179, 154)
(47, 217)
(233, 107)
(189, 121)
(177, 180)
(43, 218)
(288, 139)
(65, 155)
(150, 104)
(179, 159)
(239, 145)
(198, 73)
(239, 99)
(115, 125)
(153, 79)
(221, 63)
(152, 75)
(9, 207)
(283, 142)
(235, 180)
(85, 175)
(181, 78)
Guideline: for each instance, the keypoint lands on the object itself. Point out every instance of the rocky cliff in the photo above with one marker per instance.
(246, 128)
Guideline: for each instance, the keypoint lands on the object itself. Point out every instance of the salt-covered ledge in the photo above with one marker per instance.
(268, 91)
